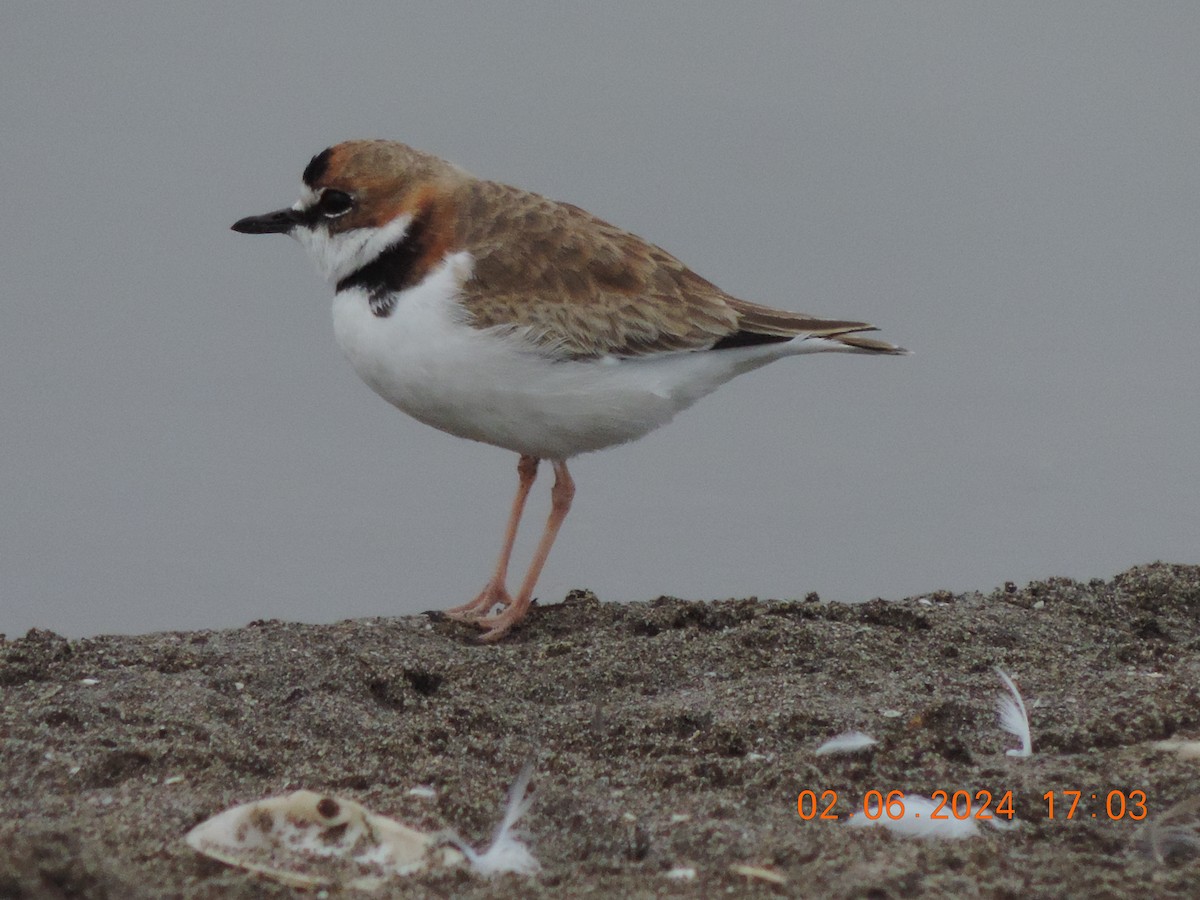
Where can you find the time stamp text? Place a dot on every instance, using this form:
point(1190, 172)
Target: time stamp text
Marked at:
point(1066, 805)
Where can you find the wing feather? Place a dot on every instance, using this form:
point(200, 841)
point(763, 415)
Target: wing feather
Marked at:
point(582, 288)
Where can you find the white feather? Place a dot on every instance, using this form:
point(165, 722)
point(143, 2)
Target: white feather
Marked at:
point(1013, 717)
point(918, 821)
point(507, 853)
point(847, 742)
point(681, 873)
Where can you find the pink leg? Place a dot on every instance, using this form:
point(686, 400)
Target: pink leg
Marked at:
point(495, 591)
point(560, 505)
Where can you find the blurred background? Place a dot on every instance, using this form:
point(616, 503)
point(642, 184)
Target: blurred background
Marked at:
point(1009, 190)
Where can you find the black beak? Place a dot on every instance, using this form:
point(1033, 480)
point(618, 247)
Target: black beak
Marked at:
point(279, 222)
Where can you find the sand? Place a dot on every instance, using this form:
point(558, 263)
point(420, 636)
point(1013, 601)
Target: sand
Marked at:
point(667, 735)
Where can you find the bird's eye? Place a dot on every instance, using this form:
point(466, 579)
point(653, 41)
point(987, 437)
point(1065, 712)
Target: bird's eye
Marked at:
point(334, 203)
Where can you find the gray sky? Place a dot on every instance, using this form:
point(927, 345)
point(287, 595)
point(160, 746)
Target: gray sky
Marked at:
point(1010, 190)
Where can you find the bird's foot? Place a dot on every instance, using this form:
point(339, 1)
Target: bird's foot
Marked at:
point(499, 624)
point(489, 598)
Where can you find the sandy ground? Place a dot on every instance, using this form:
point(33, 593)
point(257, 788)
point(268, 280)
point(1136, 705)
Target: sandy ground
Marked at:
point(666, 735)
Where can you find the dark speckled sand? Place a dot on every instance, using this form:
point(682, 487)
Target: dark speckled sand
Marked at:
point(667, 734)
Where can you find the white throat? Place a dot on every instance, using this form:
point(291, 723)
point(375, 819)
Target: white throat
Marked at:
point(341, 254)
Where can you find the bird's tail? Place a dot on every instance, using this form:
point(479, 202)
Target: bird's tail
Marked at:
point(765, 324)
point(856, 343)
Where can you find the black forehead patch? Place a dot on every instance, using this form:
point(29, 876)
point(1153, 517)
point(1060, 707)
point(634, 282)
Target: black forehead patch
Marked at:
point(316, 167)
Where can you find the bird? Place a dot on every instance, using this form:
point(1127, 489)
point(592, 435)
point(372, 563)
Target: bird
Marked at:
point(498, 315)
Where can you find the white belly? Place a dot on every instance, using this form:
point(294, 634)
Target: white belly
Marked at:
point(490, 386)
point(497, 387)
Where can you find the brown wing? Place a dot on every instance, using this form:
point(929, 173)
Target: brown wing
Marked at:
point(585, 288)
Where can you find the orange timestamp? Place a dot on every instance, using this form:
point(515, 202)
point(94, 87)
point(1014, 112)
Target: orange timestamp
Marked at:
point(877, 805)
point(980, 805)
point(1116, 805)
